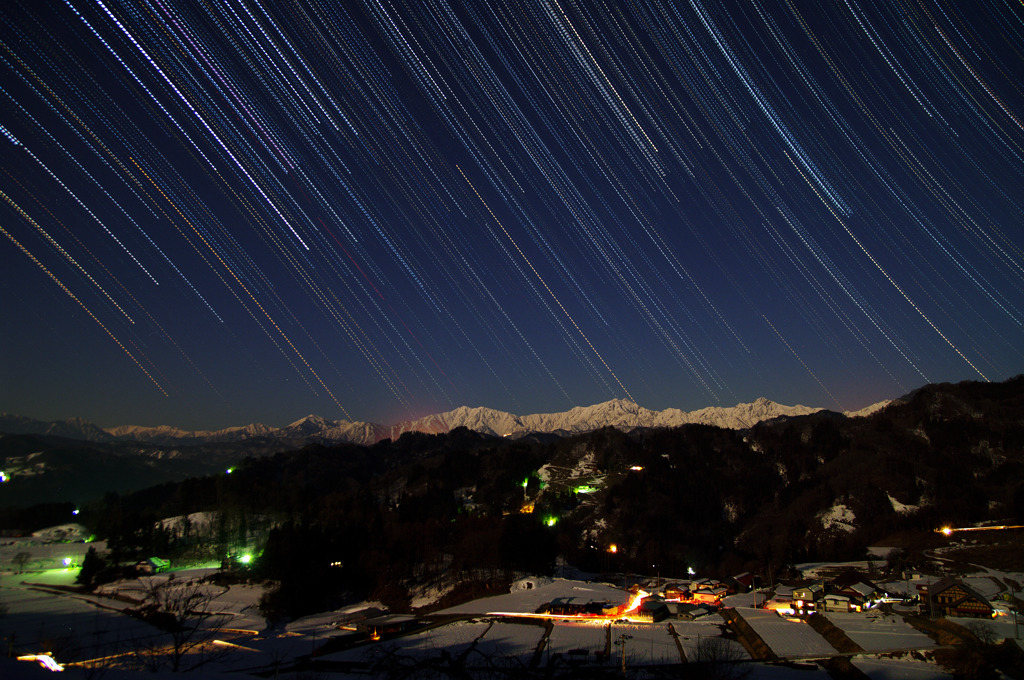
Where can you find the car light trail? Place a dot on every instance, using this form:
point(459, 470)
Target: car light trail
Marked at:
point(948, 531)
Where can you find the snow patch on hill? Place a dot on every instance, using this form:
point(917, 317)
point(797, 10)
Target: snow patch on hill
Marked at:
point(902, 508)
point(839, 517)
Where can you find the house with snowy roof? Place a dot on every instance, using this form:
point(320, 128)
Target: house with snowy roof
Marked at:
point(809, 593)
point(952, 597)
point(711, 596)
point(676, 592)
point(740, 583)
point(857, 587)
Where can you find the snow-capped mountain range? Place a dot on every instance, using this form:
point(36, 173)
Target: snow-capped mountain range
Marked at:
point(619, 413)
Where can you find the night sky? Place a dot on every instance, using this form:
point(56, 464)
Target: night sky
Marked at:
point(216, 213)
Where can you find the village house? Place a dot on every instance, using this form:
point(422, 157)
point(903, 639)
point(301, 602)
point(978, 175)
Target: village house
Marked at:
point(952, 597)
point(805, 598)
point(740, 583)
point(839, 603)
point(656, 608)
point(676, 593)
point(809, 593)
point(857, 587)
point(711, 596)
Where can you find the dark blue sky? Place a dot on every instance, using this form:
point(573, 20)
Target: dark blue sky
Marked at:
point(220, 213)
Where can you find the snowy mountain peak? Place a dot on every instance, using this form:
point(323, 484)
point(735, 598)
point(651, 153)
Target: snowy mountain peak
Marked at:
point(624, 414)
point(311, 420)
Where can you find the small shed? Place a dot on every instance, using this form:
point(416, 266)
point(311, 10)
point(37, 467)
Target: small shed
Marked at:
point(152, 565)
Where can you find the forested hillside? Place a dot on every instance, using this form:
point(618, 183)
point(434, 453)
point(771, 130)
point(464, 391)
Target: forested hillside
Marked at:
point(379, 521)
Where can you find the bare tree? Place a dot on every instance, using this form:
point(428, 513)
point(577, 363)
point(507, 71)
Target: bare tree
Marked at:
point(986, 635)
point(20, 559)
point(721, 659)
point(184, 610)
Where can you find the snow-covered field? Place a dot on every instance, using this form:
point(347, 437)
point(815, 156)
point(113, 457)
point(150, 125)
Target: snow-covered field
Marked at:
point(570, 635)
point(77, 626)
point(72, 628)
point(510, 642)
point(899, 669)
point(42, 555)
point(788, 639)
point(692, 632)
point(1002, 627)
point(876, 633)
point(649, 644)
point(526, 600)
point(456, 638)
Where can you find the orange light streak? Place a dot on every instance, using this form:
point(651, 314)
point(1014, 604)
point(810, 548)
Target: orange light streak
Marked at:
point(948, 531)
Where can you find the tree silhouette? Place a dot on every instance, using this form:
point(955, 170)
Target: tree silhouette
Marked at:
point(184, 610)
point(20, 559)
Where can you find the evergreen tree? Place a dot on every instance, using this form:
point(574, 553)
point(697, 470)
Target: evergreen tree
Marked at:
point(92, 565)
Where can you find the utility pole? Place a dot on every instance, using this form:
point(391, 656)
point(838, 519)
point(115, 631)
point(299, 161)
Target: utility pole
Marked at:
point(1015, 605)
point(622, 642)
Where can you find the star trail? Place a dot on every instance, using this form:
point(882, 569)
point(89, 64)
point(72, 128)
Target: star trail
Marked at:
point(216, 213)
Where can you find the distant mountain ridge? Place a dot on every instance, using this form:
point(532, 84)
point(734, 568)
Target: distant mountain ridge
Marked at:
point(622, 414)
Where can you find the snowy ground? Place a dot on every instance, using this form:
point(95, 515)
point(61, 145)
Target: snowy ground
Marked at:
point(42, 555)
point(877, 633)
point(1002, 627)
point(788, 639)
point(527, 601)
point(899, 669)
point(649, 644)
point(567, 636)
point(692, 632)
point(512, 644)
point(456, 638)
point(72, 628)
point(80, 626)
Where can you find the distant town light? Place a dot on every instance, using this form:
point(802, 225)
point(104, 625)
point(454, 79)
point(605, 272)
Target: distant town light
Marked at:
point(636, 468)
point(613, 548)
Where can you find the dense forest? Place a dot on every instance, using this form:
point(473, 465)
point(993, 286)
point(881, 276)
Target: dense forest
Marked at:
point(332, 524)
